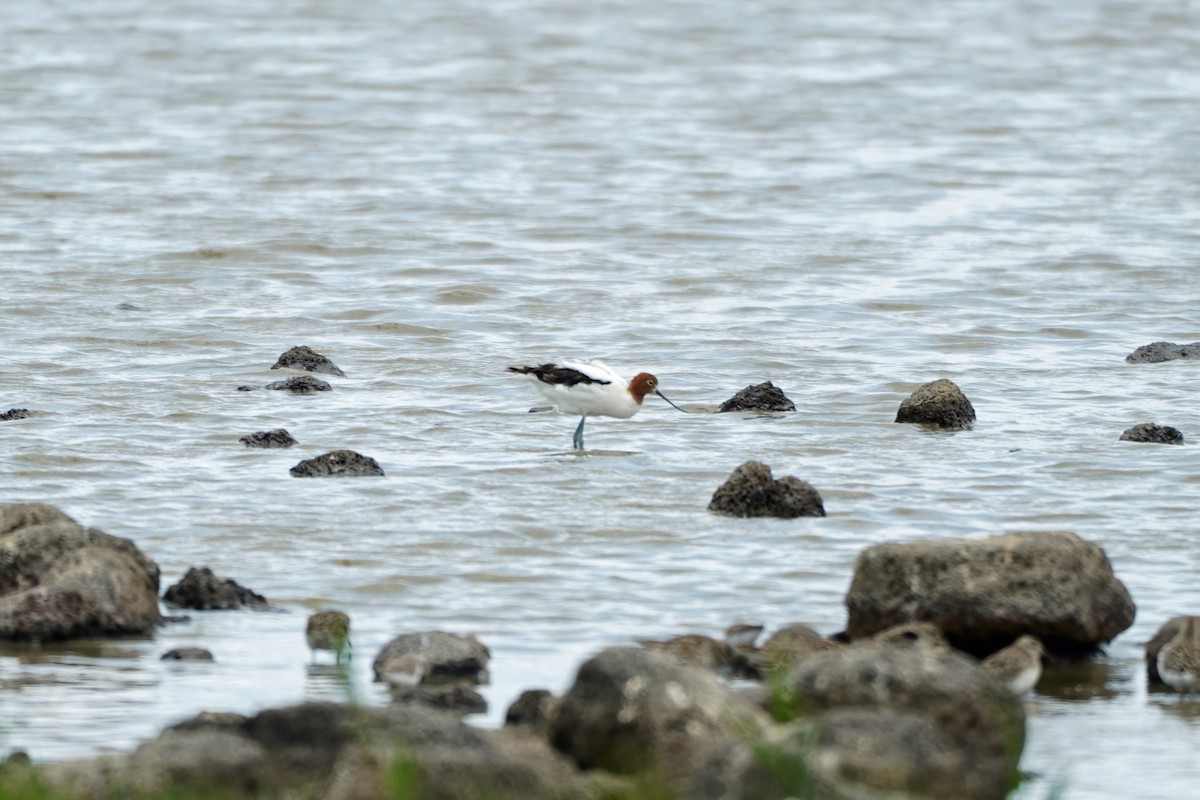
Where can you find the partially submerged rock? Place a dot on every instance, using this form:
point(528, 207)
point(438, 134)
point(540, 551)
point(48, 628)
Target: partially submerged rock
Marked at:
point(632, 711)
point(187, 654)
point(204, 591)
point(307, 359)
point(14, 413)
point(940, 404)
point(1152, 434)
point(338, 464)
point(269, 439)
point(300, 384)
point(59, 579)
point(984, 593)
point(762, 397)
point(751, 492)
point(1157, 352)
point(414, 658)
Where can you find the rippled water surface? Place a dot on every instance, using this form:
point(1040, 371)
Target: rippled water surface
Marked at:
point(846, 198)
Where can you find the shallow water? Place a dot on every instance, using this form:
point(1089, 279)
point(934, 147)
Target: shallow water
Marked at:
point(848, 199)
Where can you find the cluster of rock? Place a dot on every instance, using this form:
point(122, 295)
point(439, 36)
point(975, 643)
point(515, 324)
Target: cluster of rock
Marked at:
point(751, 491)
point(336, 463)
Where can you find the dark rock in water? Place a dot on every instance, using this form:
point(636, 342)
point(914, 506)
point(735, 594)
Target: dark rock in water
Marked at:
point(187, 654)
point(300, 384)
point(15, 413)
point(984, 593)
point(276, 438)
point(309, 360)
point(632, 711)
point(763, 397)
point(1163, 351)
point(130, 307)
point(939, 403)
point(338, 464)
point(1153, 434)
point(752, 492)
point(248, 388)
point(202, 590)
point(532, 710)
point(59, 579)
point(413, 658)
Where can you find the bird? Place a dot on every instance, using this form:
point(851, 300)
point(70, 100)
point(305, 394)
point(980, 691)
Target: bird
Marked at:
point(329, 630)
point(1018, 666)
point(591, 388)
point(1179, 659)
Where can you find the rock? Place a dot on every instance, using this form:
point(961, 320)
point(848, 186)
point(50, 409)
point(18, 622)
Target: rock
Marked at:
point(1160, 639)
point(632, 711)
point(59, 579)
point(1152, 434)
point(1157, 352)
point(763, 397)
point(332, 751)
point(202, 590)
point(925, 720)
point(789, 646)
point(14, 413)
point(276, 438)
point(751, 492)
point(940, 404)
point(413, 658)
point(307, 359)
point(984, 593)
point(532, 709)
point(187, 654)
point(301, 384)
point(338, 464)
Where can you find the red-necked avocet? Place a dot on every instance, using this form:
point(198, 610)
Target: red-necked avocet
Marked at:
point(591, 388)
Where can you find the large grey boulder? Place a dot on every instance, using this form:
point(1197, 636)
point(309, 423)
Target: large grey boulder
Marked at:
point(984, 593)
point(940, 404)
point(751, 491)
point(59, 579)
point(633, 711)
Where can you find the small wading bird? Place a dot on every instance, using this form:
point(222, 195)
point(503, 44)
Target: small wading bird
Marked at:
point(1179, 659)
point(329, 630)
point(591, 388)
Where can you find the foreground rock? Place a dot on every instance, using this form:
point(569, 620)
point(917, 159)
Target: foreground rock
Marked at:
point(1157, 642)
point(633, 711)
point(984, 593)
point(412, 659)
point(1152, 434)
point(338, 464)
point(1158, 352)
point(329, 751)
point(59, 579)
point(269, 439)
point(763, 397)
point(307, 359)
point(204, 591)
point(14, 413)
point(940, 404)
point(946, 728)
point(751, 492)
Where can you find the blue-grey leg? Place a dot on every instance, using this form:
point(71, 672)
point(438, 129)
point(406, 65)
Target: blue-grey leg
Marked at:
point(578, 440)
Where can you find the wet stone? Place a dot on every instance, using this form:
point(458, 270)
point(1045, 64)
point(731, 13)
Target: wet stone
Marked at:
point(269, 439)
point(15, 413)
point(338, 464)
point(187, 654)
point(751, 492)
point(307, 359)
point(1157, 352)
point(301, 384)
point(1152, 434)
point(202, 590)
point(762, 397)
point(938, 403)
